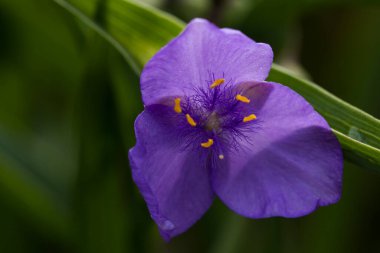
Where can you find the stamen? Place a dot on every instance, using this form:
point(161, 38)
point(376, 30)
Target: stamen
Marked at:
point(217, 82)
point(249, 118)
point(177, 105)
point(190, 120)
point(242, 98)
point(221, 157)
point(208, 143)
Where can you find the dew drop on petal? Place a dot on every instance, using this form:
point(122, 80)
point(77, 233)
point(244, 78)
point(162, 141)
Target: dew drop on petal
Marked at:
point(167, 225)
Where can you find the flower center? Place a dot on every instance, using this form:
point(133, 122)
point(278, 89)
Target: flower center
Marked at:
point(213, 122)
point(214, 111)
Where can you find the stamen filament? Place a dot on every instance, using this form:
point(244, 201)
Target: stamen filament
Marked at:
point(190, 120)
point(208, 143)
point(249, 118)
point(217, 82)
point(242, 98)
point(177, 105)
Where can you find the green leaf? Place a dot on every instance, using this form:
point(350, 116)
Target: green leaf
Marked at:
point(101, 216)
point(138, 31)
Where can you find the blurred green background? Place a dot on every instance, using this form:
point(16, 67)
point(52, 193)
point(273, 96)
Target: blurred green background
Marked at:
point(68, 102)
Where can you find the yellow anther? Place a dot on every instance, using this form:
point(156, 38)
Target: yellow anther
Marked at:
point(249, 118)
point(190, 120)
point(242, 98)
point(221, 157)
point(208, 143)
point(217, 82)
point(177, 105)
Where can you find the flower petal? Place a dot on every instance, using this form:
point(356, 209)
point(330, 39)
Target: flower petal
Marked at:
point(201, 53)
point(238, 33)
point(174, 183)
point(290, 165)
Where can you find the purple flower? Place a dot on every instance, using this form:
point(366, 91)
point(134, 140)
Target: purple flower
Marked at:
point(213, 127)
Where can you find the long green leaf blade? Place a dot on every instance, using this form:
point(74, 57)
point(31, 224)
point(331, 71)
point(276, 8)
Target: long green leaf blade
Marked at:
point(138, 31)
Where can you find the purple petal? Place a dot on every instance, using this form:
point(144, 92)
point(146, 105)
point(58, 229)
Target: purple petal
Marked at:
point(238, 33)
point(174, 183)
point(291, 164)
point(199, 54)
